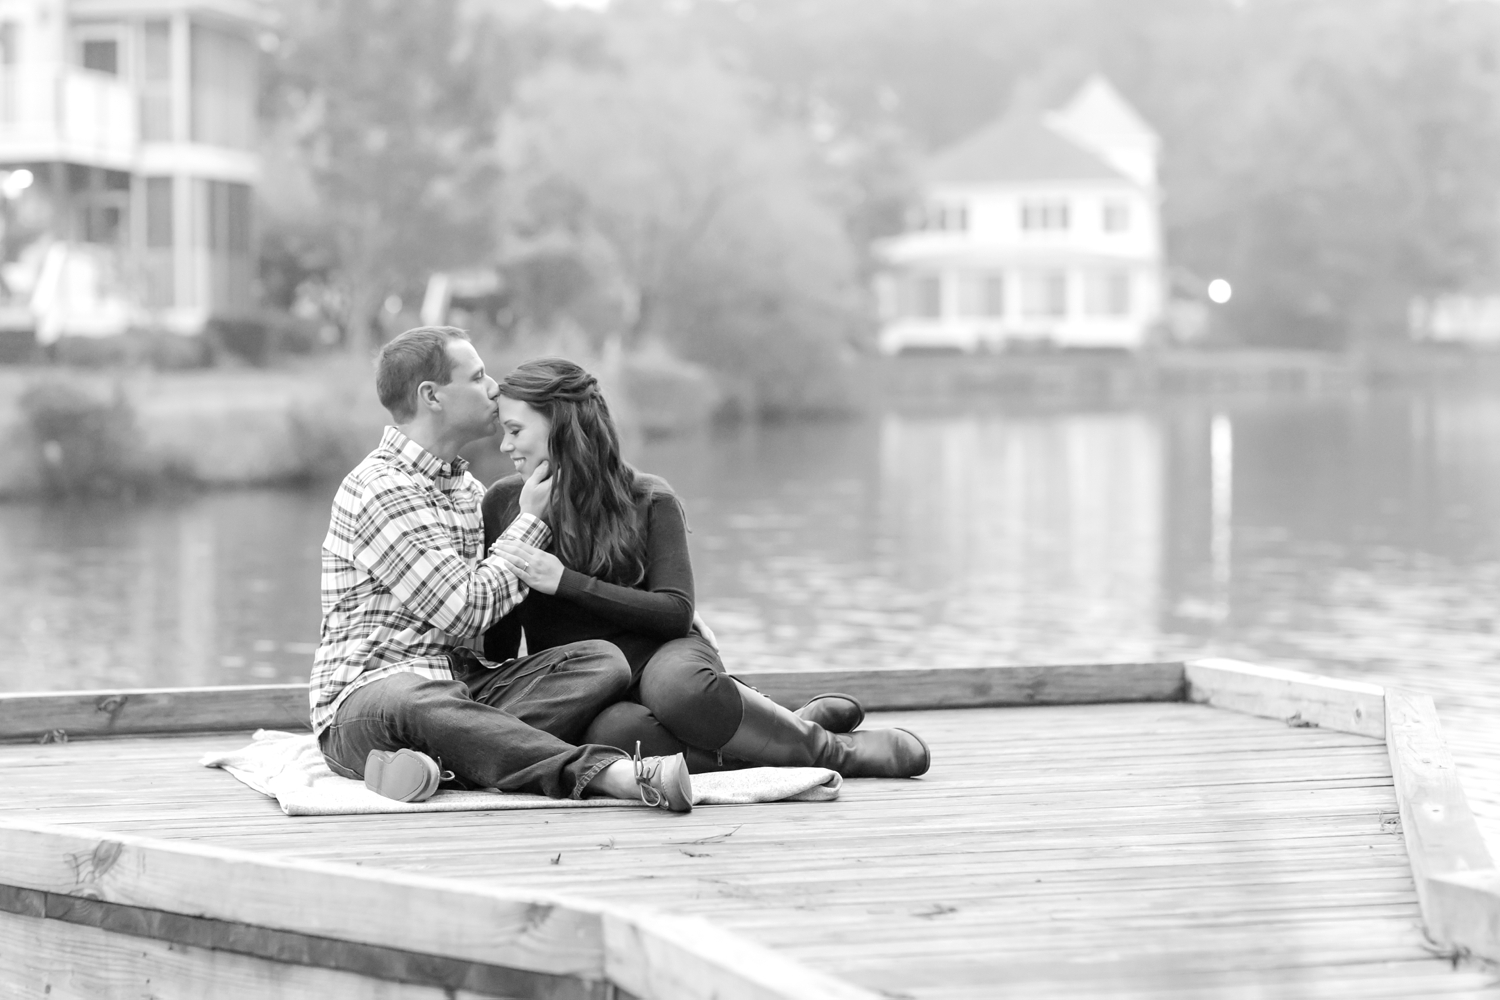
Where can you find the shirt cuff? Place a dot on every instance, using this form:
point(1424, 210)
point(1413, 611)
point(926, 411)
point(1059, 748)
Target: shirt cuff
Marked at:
point(527, 528)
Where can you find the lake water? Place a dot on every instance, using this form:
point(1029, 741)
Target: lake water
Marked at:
point(1356, 537)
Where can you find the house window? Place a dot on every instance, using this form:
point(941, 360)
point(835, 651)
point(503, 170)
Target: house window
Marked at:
point(8, 33)
point(1044, 294)
point(981, 295)
point(102, 55)
point(1116, 216)
point(945, 217)
point(1044, 216)
point(161, 281)
point(223, 73)
point(1107, 293)
point(919, 296)
point(156, 82)
point(158, 212)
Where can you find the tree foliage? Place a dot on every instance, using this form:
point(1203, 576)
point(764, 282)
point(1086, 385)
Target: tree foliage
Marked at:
point(714, 222)
point(392, 106)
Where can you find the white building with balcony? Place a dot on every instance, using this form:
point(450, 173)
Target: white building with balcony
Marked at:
point(135, 123)
point(1040, 229)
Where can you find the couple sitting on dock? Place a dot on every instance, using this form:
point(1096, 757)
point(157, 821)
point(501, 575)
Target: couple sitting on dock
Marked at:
point(428, 583)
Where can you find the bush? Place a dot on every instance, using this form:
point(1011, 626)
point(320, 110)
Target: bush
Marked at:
point(86, 439)
point(137, 348)
point(246, 338)
point(669, 396)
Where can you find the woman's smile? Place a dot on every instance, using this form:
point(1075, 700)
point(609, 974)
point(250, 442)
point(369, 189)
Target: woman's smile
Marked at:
point(525, 435)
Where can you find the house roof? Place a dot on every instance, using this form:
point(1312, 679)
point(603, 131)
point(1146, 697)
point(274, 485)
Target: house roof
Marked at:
point(1016, 148)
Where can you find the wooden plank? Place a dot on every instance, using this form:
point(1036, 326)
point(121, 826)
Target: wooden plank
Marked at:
point(1297, 698)
point(284, 948)
point(284, 706)
point(677, 956)
point(520, 930)
point(654, 957)
point(62, 961)
point(1203, 838)
point(152, 710)
point(979, 687)
point(1457, 883)
point(1465, 911)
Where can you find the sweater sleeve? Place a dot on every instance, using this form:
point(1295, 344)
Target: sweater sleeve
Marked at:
point(662, 605)
point(501, 506)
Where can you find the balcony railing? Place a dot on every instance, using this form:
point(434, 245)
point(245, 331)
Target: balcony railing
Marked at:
point(50, 112)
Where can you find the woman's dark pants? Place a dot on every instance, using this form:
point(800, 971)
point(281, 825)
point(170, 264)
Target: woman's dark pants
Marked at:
point(513, 728)
point(682, 702)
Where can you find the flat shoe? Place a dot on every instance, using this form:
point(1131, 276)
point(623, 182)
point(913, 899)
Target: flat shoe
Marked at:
point(664, 782)
point(404, 775)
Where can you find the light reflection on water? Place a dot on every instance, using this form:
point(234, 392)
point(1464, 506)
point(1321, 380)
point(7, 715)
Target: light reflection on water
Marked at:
point(1357, 537)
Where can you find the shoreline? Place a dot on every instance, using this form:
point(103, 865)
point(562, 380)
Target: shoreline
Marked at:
point(120, 431)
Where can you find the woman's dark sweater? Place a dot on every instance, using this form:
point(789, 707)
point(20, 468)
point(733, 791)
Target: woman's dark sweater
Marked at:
point(638, 619)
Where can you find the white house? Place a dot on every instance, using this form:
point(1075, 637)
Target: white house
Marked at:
point(127, 161)
point(1039, 228)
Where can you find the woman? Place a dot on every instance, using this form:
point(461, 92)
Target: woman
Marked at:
point(618, 569)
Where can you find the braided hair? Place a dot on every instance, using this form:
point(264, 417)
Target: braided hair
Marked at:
point(596, 505)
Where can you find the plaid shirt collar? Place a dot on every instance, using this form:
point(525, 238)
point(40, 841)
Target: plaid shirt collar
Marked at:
point(402, 451)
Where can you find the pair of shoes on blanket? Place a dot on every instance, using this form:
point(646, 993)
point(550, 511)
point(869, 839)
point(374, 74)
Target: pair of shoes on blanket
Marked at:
point(411, 776)
point(404, 775)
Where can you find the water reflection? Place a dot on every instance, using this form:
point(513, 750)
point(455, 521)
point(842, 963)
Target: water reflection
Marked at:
point(213, 589)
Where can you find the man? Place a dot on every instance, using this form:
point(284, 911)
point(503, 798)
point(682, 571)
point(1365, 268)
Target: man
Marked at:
point(398, 694)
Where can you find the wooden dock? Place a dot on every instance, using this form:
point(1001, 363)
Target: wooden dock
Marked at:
point(1142, 848)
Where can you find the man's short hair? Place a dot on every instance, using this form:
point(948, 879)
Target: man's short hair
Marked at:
point(414, 357)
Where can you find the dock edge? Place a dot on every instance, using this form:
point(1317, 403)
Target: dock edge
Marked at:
point(222, 917)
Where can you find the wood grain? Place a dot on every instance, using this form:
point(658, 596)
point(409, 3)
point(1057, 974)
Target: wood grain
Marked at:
point(1297, 698)
point(1455, 876)
point(1145, 849)
point(280, 947)
point(152, 710)
point(62, 961)
point(531, 931)
point(1464, 911)
point(527, 943)
point(284, 706)
point(979, 687)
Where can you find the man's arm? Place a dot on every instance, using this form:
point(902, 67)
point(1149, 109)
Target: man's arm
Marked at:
point(400, 542)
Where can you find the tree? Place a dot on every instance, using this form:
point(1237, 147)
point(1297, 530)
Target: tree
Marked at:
point(1360, 174)
point(713, 215)
point(392, 106)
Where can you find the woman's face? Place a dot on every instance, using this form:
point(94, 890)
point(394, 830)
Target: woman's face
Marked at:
point(525, 433)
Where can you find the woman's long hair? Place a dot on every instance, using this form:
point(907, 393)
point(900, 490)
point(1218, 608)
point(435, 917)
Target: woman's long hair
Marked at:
point(595, 511)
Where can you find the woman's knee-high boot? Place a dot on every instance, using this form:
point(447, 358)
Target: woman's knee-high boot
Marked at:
point(770, 734)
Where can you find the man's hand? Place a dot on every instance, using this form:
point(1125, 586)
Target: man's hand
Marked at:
point(537, 491)
point(701, 627)
point(539, 570)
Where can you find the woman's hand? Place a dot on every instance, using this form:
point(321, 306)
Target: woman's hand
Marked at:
point(536, 492)
point(539, 570)
point(701, 627)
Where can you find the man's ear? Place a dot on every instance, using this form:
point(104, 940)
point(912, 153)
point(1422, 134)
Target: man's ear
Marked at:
point(427, 396)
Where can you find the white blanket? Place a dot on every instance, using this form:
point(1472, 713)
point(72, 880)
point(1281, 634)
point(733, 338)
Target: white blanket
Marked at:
point(290, 768)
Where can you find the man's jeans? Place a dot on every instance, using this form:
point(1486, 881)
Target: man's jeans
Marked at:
point(510, 728)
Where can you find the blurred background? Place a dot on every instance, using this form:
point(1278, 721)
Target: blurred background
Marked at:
point(971, 331)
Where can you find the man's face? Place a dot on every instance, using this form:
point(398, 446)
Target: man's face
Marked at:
point(469, 398)
point(526, 434)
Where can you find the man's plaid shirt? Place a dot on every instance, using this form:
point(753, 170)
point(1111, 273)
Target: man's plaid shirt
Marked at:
point(403, 582)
